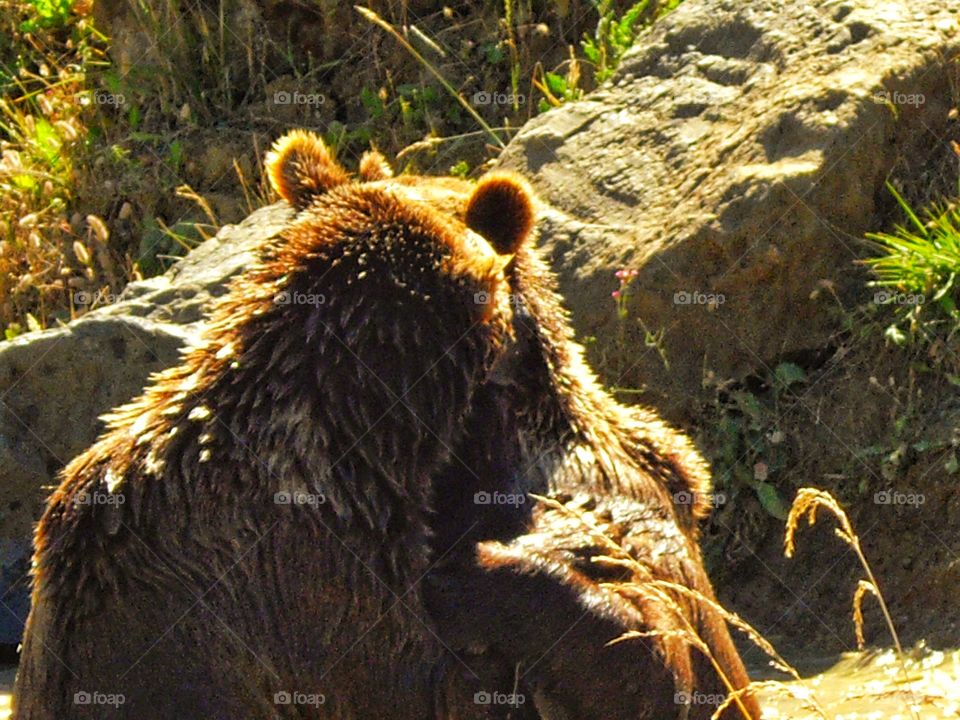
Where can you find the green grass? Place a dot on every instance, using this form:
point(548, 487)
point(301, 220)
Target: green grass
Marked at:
point(917, 267)
point(44, 258)
point(48, 14)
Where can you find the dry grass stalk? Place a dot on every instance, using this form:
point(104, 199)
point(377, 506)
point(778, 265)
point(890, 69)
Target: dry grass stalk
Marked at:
point(377, 20)
point(806, 504)
point(665, 594)
point(863, 587)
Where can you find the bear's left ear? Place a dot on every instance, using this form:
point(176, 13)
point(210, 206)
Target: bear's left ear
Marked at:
point(301, 168)
point(501, 209)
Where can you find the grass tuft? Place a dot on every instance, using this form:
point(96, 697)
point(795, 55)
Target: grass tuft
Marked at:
point(918, 266)
point(47, 256)
point(377, 20)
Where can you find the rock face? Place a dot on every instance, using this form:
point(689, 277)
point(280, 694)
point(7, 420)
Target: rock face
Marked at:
point(736, 159)
point(54, 385)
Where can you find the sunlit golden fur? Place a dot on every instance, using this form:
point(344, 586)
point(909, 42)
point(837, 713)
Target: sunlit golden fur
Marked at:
point(374, 166)
point(176, 565)
point(300, 168)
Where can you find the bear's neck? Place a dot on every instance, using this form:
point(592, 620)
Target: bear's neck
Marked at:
point(567, 419)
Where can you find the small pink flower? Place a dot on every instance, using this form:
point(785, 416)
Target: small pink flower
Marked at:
point(634, 273)
point(620, 274)
point(615, 294)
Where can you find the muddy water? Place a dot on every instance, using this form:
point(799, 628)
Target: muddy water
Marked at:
point(7, 673)
point(857, 686)
point(873, 685)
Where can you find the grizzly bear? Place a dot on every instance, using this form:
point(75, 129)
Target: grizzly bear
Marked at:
point(515, 581)
point(246, 539)
point(514, 588)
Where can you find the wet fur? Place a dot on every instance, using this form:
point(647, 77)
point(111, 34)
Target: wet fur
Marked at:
point(192, 592)
point(217, 598)
point(517, 581)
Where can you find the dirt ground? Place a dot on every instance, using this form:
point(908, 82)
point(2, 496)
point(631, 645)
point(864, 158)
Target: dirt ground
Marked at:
point(879, 428)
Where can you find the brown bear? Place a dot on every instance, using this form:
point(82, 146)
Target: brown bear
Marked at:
point(513, 587)
point(247, 538)
point(514, 582)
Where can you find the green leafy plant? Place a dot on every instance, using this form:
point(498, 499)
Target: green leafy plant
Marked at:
point(372, 103)
point(917, 267)
point(558, 89)
point(751, 445)
point(614, 36)
point(48, 14)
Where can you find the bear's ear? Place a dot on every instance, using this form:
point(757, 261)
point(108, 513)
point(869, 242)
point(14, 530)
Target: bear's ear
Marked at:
point(501, 210)
point(374, 166)
point(301, 168)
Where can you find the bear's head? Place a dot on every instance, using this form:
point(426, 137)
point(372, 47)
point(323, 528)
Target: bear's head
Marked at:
point(380, 298)
point(391, 265)
point(353, 347)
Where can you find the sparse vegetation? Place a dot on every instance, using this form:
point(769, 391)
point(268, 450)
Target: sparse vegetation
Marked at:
point(615, 35)
point(108, 172)
point(43, 124)
point(640, 587)
point(918, 269)
point(652, 339)
point(806, 505)
point(751, 449)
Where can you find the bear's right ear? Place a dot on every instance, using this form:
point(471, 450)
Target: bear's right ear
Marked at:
point(301, 168)
point(501, 209)
point(374, 166)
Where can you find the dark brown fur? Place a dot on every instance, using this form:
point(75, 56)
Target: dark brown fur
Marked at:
point(187, 588)
point(516, 582)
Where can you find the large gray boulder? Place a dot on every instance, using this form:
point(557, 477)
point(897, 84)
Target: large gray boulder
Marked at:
point(736, 159)
point(54, 385)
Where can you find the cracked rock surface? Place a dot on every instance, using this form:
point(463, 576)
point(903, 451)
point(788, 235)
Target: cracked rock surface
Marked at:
point(736, 159)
